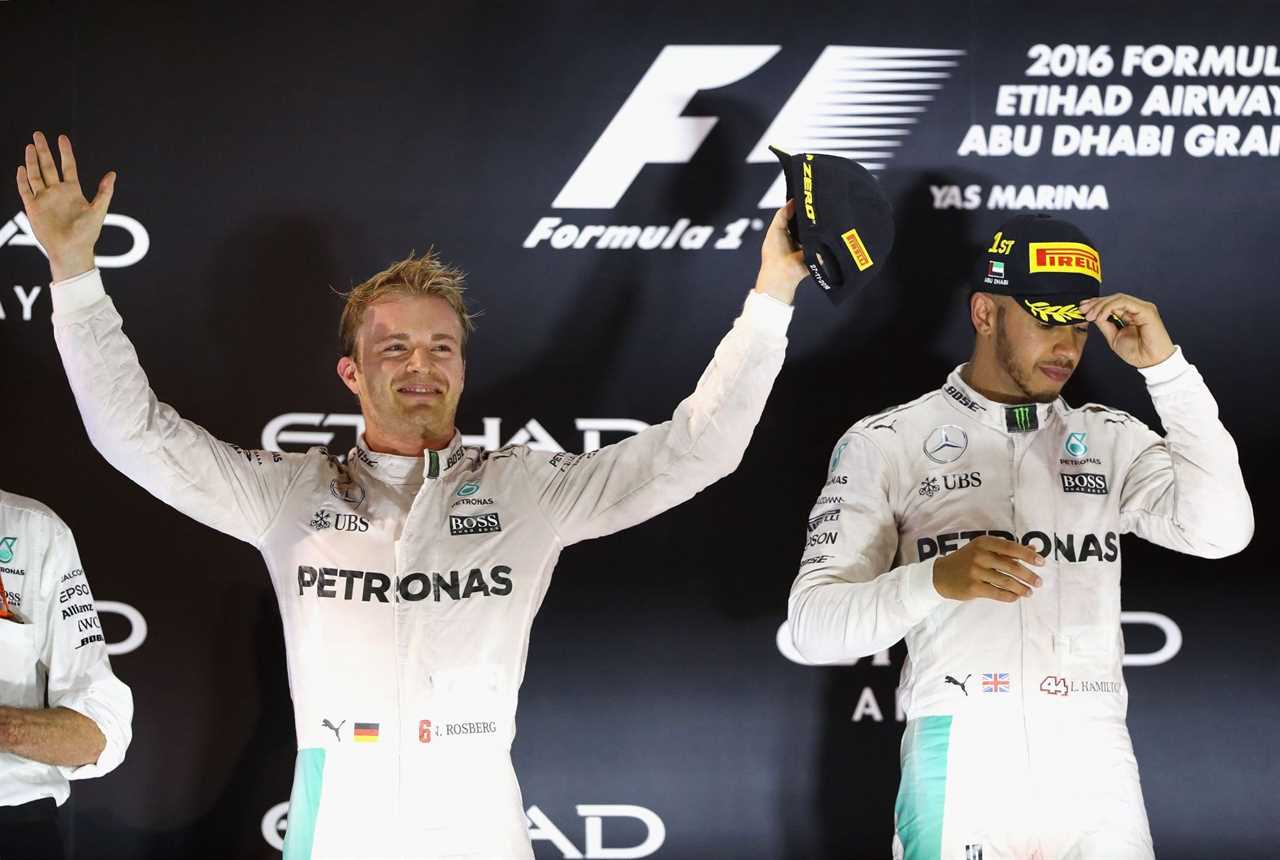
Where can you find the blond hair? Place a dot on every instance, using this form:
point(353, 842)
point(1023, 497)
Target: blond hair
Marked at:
point(419, 277)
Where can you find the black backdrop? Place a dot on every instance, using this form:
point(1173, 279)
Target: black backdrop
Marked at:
point(269, 153)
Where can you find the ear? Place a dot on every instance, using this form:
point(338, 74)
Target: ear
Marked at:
point(347, 371)
point(982, 313)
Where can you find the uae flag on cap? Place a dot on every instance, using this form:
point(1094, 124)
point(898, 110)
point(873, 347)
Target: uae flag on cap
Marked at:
point(995, 268)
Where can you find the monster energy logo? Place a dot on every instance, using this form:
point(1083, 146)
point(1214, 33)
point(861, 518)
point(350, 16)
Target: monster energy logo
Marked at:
point(1021, 419)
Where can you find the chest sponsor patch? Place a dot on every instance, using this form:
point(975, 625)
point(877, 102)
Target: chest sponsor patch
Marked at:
point(474, 525)
point(1084, 482)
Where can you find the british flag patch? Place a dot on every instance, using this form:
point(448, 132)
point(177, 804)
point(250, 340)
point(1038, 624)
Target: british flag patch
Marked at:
point(995, 683)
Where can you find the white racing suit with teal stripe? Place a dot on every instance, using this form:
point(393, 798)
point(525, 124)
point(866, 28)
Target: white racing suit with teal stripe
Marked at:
point(407, 586)
point(1015, 744)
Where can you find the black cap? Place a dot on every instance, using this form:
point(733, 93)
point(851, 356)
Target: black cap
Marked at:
point(1049, 266)
point(842, 220)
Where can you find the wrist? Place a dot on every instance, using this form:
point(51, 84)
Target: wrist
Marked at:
point(7, 726)
point(65, 267)
point(773, 287)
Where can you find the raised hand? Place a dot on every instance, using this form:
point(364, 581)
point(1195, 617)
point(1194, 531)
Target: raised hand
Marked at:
point(65, 223)
point(782, 265)
point(989, 567)
point(1143, 341)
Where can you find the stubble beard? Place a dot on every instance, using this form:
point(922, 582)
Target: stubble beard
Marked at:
point(1004, 355)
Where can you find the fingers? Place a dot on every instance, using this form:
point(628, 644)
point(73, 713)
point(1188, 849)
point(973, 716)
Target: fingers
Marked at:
point(47, 165)
point(1006, 582)
point(33, 171)
point(24, 188)
point(106, 188)
point(1010, 549)
point(990, 592)
point(1125, 307)
point(995, 569)
point(68, 159)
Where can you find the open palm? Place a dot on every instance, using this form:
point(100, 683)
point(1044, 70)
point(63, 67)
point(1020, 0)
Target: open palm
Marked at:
point(64, 222)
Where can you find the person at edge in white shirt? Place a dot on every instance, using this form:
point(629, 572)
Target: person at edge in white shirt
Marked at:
point(63, 714)
point(981, 522)
point(407, 577)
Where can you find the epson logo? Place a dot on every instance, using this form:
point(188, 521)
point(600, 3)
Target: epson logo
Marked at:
point(479, 524)
point(821, 539)
point(1094, 485)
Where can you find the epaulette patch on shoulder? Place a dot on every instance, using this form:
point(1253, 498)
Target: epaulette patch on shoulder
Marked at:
point(1114, 416)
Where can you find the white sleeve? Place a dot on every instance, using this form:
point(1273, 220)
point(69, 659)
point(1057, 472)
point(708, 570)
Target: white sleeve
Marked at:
point(1186, 491)
point(74, 654)
point(234, 490)
point(605, 491)
point(848, 600)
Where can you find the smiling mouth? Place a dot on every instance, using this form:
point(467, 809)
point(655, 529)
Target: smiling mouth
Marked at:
point(420, 389)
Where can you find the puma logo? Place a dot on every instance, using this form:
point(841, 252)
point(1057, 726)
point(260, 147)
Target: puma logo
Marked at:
point(335, 729)
point(960, 684)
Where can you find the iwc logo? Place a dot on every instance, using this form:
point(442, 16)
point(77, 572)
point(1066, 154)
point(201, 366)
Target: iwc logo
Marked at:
point(946, 444)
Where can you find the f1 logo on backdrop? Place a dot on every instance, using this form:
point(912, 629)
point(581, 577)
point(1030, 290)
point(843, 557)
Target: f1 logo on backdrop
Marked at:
point(541, 828)
point(281, 430)
point(17, 232)
point(855, 102)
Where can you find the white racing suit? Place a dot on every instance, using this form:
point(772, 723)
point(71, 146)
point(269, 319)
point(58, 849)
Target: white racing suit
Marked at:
point(1015, 743)
point(54, 655)
point(407, 586)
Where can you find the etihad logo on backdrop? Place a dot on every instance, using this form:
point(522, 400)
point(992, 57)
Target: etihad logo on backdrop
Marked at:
point(641, 823)
point(1072, 258)
point(17, 232)
point(855, 102)
point(284, 430)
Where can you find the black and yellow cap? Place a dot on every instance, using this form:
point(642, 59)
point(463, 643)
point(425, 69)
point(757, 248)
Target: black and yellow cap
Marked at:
point(1048, 265)
point(843, 220)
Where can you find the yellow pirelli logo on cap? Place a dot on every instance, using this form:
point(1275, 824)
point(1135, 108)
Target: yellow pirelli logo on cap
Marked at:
point(1069, 257)
point(861, 257)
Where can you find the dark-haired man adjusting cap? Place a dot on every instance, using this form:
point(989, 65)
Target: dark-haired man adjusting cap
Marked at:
point(982, 522)
point(1047, 266)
